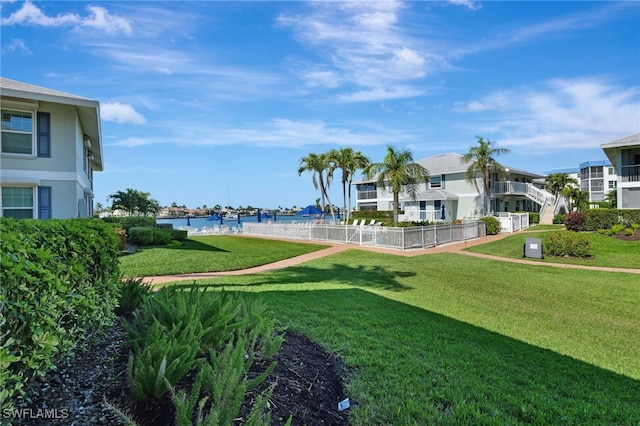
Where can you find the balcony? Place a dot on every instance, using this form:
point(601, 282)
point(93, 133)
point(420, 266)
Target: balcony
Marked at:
point(509, 188)
point(630, 173)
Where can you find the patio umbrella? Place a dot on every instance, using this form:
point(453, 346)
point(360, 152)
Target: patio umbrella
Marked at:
point(259, 218)
point(238, 217)
point(274, 216)
point(442, 211)
point(310, 210)
point(213, 217)
point(188, 221)
point(221, 219)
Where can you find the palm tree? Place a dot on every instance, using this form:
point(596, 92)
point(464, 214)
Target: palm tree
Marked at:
point(577, 199)
point(612, 198)
point(483, 163)
point(317, 164)
point(557, 182)
point(349, 161)
point(396, 173)
point(133, 201)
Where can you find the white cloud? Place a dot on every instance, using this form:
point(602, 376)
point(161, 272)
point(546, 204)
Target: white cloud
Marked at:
point(469, 4)
point(98, 18)
point(120, 113)
point(101, 19)
point(559, 114)
point(132, 142)
point(366, 49)
point(16, 45)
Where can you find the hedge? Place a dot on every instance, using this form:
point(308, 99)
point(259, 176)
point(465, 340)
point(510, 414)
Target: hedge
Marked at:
point(595, 219)
point(128, 222)
point(60, 281)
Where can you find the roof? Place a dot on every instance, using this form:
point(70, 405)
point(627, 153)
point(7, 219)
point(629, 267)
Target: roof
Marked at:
point(452, 162)
point(630, 140)
point(88, 109)
point(627, 141)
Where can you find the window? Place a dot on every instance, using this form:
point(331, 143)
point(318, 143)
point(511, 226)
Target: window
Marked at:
point(611, 171)
point(436, 182)
point(17, 132)
point(613, 184)
point(17, 202)
point(367, 191)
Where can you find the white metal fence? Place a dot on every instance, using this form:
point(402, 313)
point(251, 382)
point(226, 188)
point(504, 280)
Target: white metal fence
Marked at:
point(378, 236)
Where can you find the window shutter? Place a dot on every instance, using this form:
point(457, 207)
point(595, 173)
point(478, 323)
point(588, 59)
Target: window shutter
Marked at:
point(44, 202)
point(442, 185)
point(44, 134)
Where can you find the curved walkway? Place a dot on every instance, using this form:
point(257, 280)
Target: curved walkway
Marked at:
point(336, 248)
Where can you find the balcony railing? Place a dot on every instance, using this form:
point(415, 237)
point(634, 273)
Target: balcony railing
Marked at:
point(631, 173)
point(511, 188)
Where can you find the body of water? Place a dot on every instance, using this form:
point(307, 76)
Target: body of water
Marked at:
point(200, 222)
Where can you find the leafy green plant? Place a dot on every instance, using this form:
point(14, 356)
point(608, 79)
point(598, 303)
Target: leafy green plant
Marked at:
point(132, 292)
point(162, 357)
point(563, 243)
point(161, 236)
point(493, 225)
point(629, 231)
point(534, 217)
point(59, 281)
point(558, 219)
point(635, 226)
point(174, 244)
point(224, 382)
point(615, 229)
point(141, 236)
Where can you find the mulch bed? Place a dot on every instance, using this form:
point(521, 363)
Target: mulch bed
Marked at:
point(308, 384)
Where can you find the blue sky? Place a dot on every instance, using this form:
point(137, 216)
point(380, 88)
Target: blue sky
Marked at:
point(215, 102)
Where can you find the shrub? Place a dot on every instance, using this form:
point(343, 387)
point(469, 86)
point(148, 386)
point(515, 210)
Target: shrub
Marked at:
point(606, 218)
point(558, 219)
point(493, 225)
point(128, 222)
point(615, 229)
point(165, 225)
point(60, 281)
point(141, 236)
point(629, 231)
point(178, 235)
point(563, 243)
point(574, 221)
point(122, 238)
point(174, 244)
point(534, 217)
point(161, 236)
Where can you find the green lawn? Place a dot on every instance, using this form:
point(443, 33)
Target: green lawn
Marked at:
point(605, 250)
point(457, 340)
point(211, 254)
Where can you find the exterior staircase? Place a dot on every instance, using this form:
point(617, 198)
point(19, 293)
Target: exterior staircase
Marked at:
point(550, 204)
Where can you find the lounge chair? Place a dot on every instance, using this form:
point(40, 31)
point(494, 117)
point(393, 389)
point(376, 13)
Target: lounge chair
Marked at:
point(373, 222)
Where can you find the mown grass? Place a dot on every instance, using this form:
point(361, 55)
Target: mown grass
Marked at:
point(539, 227)
point(605, 250)
point(456, 340)
point(211, 254)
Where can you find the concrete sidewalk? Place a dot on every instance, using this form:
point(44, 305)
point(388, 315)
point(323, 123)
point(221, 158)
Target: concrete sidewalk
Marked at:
point(457, 248)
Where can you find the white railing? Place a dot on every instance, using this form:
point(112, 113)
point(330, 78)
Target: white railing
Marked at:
point(512, 222)
point(417, 215)
point(510, 188)
point(377, 236)
point(540, 196)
